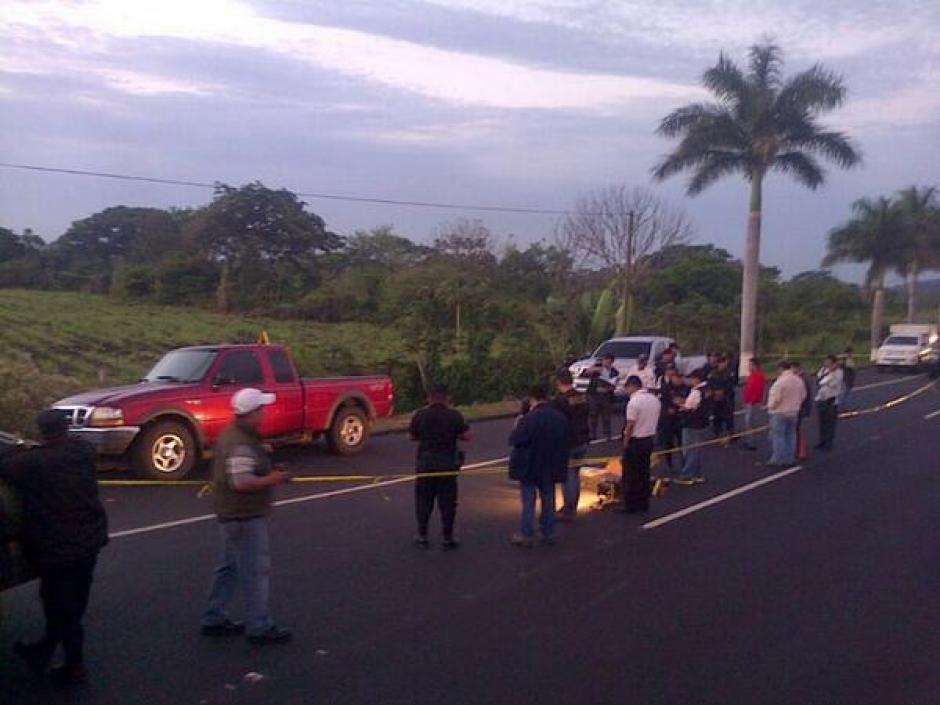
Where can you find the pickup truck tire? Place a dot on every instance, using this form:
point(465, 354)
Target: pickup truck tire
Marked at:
point(165, 450)
point(348, 433)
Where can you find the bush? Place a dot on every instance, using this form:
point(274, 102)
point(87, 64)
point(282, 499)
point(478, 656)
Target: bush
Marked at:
point(25, 390)
point(133, 281)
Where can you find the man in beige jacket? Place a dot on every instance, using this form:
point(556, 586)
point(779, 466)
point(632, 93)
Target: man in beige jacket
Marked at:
point(783, 407)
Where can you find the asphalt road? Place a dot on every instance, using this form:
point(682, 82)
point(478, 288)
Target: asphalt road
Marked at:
point(818, 586)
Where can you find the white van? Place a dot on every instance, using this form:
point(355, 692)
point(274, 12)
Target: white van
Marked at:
point(908, 347)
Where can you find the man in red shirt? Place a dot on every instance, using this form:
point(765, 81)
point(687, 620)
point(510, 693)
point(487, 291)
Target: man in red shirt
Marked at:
point(754, 389)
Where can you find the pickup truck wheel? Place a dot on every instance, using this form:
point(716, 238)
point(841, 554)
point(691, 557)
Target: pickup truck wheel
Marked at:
point(349, 431)
point(165, 451)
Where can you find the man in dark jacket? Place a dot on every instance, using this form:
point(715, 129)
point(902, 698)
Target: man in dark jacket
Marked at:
point(539, 459)
point(721, 382)
point(600, 393)
point(65, 526)
point(574, 406)
point(437, 428)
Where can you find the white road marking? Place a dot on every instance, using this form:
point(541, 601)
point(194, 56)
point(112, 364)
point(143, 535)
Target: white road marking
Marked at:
point(721, 498)
point(885, 383)
point(291, 500)
point(932, 415)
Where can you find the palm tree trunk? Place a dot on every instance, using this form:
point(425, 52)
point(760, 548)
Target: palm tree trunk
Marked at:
point(877, 314)
point(750, 275)
point(912, 276)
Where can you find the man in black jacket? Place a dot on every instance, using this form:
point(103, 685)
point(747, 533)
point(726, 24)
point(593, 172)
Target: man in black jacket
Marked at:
point(574, 406)
point(539, 459)
point(65, 526)
point(437, 428)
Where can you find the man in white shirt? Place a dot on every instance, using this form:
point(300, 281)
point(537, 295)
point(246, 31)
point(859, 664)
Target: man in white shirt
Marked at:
point(783, 407)
point(646, 373)
point(830, 385)
point(638, 437)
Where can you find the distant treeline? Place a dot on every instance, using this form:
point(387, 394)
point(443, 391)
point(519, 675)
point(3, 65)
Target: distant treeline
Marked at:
point(486, 318)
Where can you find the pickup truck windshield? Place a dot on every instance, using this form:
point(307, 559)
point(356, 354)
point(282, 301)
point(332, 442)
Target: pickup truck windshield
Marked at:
point(901, 340)
point(630, 349)
point(182, 366)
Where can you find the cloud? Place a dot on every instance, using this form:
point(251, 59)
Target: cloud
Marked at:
point(450, 76)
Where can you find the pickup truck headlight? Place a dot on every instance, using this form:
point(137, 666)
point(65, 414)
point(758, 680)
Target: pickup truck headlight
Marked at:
point(105, 416)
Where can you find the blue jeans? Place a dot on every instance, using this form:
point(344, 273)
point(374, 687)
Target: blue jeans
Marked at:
point(246, 558)
point(750, 441)
point(546, 492)
point(692, 467)
point(571, 489)
point(782, 439)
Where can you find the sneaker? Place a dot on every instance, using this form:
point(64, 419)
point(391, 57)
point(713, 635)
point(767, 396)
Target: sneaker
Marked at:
point(450, 543)
point(421, 541)
point(68, 675)
point(698, 480)
point(226, 628)
point(687, 481)
point(272, 635)
point(35, 657)
point(521, 541)
point(564, 516)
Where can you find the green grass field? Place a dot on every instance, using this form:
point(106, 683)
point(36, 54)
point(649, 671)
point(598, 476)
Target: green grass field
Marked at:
point(83, 335)
point(56, 342)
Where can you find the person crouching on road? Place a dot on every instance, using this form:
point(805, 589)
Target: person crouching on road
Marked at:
point(638, 438)
point(570, 402)
point(538, 460)
point(695, 413)
point(242, 481)
point(437, 428)
point(65, 527)
point(783, 407)
point(755, 386)
point(829, 390)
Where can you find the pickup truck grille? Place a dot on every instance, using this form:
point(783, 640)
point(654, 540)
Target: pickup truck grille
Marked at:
point(77, 415)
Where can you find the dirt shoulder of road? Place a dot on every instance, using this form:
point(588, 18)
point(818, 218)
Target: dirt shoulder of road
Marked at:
point(475, 412)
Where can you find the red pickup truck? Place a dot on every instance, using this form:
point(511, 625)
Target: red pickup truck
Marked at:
point(170, 420)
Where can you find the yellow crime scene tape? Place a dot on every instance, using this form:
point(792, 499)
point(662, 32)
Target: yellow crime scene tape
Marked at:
point(496, 469)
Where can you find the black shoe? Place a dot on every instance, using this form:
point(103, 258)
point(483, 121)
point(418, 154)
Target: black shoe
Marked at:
point(450, 543)
point(68, 675)
point(272, 635)
point(35, 656)
point(226, 628)
point(421, 541)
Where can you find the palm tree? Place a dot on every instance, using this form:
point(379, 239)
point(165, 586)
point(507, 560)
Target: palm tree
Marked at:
point(921, 215)
point(760, 122)
point(875, 235)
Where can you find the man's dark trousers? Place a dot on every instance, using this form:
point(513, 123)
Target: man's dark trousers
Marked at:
point(723, 421)
point(828, 416)
point(636, 474)
point(64, 589)
point(600, 409)
point(444, 491)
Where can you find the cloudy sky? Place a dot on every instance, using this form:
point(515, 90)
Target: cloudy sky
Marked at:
point(514, 102)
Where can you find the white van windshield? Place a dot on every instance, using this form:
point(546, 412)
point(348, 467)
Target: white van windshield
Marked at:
point(906, 340)
point(623, 349)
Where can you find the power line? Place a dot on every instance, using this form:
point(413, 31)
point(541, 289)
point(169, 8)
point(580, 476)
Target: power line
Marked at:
point(325, 196)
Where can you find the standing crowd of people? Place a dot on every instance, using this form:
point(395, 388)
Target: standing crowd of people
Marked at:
point(66, 525)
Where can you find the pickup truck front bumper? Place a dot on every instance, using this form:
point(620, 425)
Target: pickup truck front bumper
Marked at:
point(108, 441)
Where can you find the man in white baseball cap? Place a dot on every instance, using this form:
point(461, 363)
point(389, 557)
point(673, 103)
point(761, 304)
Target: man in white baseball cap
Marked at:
point(242, 480)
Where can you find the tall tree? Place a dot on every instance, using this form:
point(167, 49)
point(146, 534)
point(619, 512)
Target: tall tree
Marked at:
point(617, 229)
point(254, 230)
point(759, 123)
point(921, 214)
point(873, 235)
